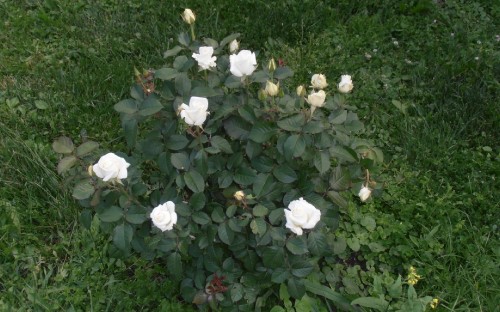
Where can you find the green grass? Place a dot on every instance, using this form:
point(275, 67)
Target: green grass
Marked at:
point(427, 101)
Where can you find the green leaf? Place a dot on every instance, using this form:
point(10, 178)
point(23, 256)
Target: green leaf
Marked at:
point(276, 216)
point(260, 211)
point(122, 236)
point(184, 39)
point(225, 179)
point(371, 302)
point(150, 106)
point(261, 132)
point(111, 214)
point(328, 293)
point(135, 216)
point(337, 198)
point(226, 234)
point(396, 289)
point(283, 72)
point(204, 92)
point(236, 291)
point(83, 190)
point(292, 123)
point(63, 145)
point(127, 106)
point(180, 161)
point(86, 148)
point(316, 243)
point(166, 73)
point(174, 266)
point(172, 52)
point(130, 130)
point(41, 104)
point(285, 174)
point(194, 181)
point(263, 164)
point(66, 163)
point(279, 275)
point(245, 176)
point(273, 257)
point(232, 82)
point(217, 214)
point(197, 201)
point(322, 161)
point(237, 128)
point(343, 154)
point(297, 245)
point(296, 288)
point(353, 243)
point(258, 226)
point(338, 117)
point(314, 127)
point(340, 179)
point(294, 146)
point(369, 223)
point(183, 84)
point(176, 142)
point(86, 218)
point(201, 218)
point(264, 183)
point(222, 144)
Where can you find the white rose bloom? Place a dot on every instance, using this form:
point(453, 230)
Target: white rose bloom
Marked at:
point(364, 193)
point(243, 63)
point(196, 112)
point(164, 216)
point(272, 89)
point(317, 99)
point(188, 16)
point(318, 81)
point(204, 58)
point(302, 215)
point(234, 46)
point(111, 166)
point(345, 85)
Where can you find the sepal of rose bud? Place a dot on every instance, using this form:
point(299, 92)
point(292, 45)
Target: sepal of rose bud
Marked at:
point(262, 95)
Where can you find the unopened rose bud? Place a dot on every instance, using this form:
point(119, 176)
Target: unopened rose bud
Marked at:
point(318, 81)
point(239, 195)
point(90, 170)
point(301, 91)
point(272, 89)
point(272, 65)
point(188, 16)
point(345, 85)
point(137, 73)
point(234, 46)
point(364, 193)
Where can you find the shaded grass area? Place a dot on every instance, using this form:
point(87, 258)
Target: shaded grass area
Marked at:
point(426, 83)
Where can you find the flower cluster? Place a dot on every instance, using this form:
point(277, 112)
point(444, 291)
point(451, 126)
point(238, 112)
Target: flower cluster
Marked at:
point(413, 277)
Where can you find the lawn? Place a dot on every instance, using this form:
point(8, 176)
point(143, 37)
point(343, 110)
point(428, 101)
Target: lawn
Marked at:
point(426, 77)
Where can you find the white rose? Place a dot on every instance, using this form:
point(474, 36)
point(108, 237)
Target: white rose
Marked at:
point(243, 63)
point(364, 193)
point(234, 46)
point(111, 166)
point(272, 89)
point(318, 81)
point(188, 16)
point(317, 99)
point(164, 216)
point(345, 85)
point(204, 58)
point(302, 215)
point(196, 112)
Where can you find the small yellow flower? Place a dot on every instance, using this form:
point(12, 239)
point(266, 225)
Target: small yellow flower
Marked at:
point(434, 303)
point(413, 277)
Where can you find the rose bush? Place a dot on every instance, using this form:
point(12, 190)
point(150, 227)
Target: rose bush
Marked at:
point(244, 183)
